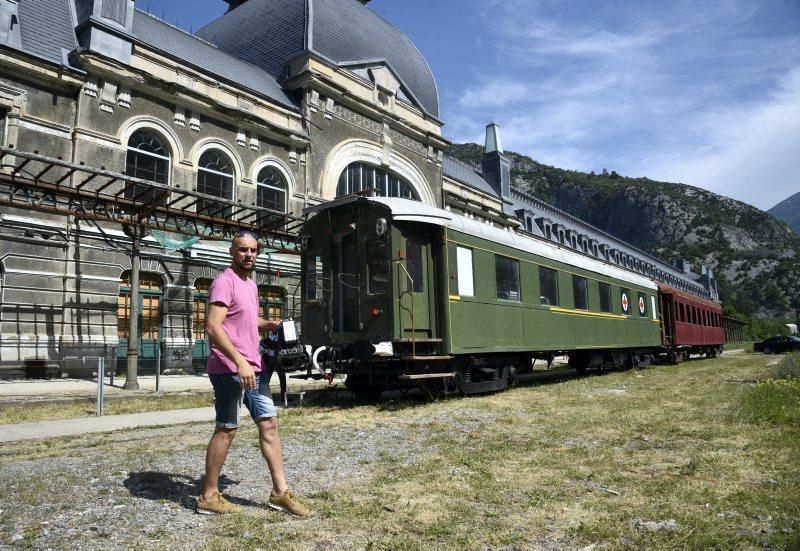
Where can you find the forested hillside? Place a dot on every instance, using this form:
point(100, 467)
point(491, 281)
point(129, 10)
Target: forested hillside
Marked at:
point(788, 210)
point(755, 256)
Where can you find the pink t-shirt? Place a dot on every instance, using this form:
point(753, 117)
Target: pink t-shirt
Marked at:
point(241, 323)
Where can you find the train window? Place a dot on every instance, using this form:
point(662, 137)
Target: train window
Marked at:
point(466, 284)
point(579, 291)
point(548, 287)
point(414, 266)
point(605, 297)
point(625, 300)
point(377, 266)
point(507, 275)
point(681, 312)
point(313, 276)
point(642, 305)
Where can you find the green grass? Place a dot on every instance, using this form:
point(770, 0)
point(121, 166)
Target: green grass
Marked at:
point(568, 465)
point(776, 398)
point(28, 412)
point(553, 465)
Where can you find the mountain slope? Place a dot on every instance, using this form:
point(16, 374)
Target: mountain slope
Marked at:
point(788, 210)
point(755, 257)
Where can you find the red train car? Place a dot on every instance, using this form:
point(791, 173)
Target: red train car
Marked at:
point(691, 325)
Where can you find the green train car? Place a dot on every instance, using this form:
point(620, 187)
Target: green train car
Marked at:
point(398, 294)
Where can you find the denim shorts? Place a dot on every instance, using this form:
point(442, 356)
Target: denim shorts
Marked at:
point(229, 397)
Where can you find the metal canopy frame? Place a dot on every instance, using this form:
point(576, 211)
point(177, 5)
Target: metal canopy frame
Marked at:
point(46, 184)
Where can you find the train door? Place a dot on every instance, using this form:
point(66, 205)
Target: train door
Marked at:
point(346, 283)
point(667, 319)
point(414, 281)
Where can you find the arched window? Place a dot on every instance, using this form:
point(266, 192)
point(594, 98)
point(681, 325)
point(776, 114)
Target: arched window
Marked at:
point(359, 176)
point(214, 177)
point(149, 159)
point(271, 189)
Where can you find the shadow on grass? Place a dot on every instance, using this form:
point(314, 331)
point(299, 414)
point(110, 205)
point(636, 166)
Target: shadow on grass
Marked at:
point(178, 488)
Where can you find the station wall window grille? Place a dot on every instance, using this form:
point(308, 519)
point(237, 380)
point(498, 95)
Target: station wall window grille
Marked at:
point(271, 189)
point(272, 301)
point(507, 278)
point(548, 287)
point(358, 177)
point(150, 289)
point(149, 159)
point(579, 291)
point(200, 308)
point(215, 176)
point(605, 297)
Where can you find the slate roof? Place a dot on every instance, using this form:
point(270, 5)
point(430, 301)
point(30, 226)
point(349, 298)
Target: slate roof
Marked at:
point(46, 29)
point(520, 200)
point(179, 44)
point(466, 174)
point(268, 33)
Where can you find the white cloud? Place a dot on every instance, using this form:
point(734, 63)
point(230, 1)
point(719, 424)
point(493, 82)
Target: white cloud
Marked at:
point(677, 91)
point(749, 152)
point(494, 93)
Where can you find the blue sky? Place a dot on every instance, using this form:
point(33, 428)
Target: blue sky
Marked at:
point(701, 92)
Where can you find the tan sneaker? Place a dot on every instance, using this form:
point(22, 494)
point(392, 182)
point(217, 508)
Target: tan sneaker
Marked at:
point(288, 503)
point(216, 505)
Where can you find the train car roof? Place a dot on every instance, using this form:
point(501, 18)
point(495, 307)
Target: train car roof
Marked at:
point(668, 290)
point(415, 211)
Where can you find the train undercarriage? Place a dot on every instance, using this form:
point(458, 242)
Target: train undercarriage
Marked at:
point(368, 376)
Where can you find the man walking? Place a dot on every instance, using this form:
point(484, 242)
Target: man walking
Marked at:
point(234, 367)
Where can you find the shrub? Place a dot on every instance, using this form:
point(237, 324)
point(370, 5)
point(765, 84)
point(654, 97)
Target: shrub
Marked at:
point(776, 399)
point(788, 368)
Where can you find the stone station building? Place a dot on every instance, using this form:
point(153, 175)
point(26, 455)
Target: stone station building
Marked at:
point(278, 103)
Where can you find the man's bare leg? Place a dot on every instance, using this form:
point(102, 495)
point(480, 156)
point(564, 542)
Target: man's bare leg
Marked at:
point(216, 453)
point(270, 442)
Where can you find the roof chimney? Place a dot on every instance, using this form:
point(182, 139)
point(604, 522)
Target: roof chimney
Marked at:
point(496, 166)
point(233, 4)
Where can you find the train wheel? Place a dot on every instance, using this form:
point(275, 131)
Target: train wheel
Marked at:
point(672, 357)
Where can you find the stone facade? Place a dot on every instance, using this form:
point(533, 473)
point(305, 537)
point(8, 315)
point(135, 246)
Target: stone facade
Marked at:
point(63, 279)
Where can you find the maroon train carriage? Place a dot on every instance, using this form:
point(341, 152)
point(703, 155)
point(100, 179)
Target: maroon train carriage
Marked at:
point(691, 325)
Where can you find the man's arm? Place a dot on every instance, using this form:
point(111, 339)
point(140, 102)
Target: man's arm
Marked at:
point(216, 316)
point(267, 325)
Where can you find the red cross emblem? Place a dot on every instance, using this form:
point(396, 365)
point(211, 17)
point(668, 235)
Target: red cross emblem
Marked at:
point(641, 305)
point(625, 302)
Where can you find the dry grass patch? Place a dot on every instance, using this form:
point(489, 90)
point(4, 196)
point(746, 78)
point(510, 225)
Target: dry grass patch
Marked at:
point(29, 412)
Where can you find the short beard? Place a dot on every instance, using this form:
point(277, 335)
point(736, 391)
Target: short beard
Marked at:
point(244, 269)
